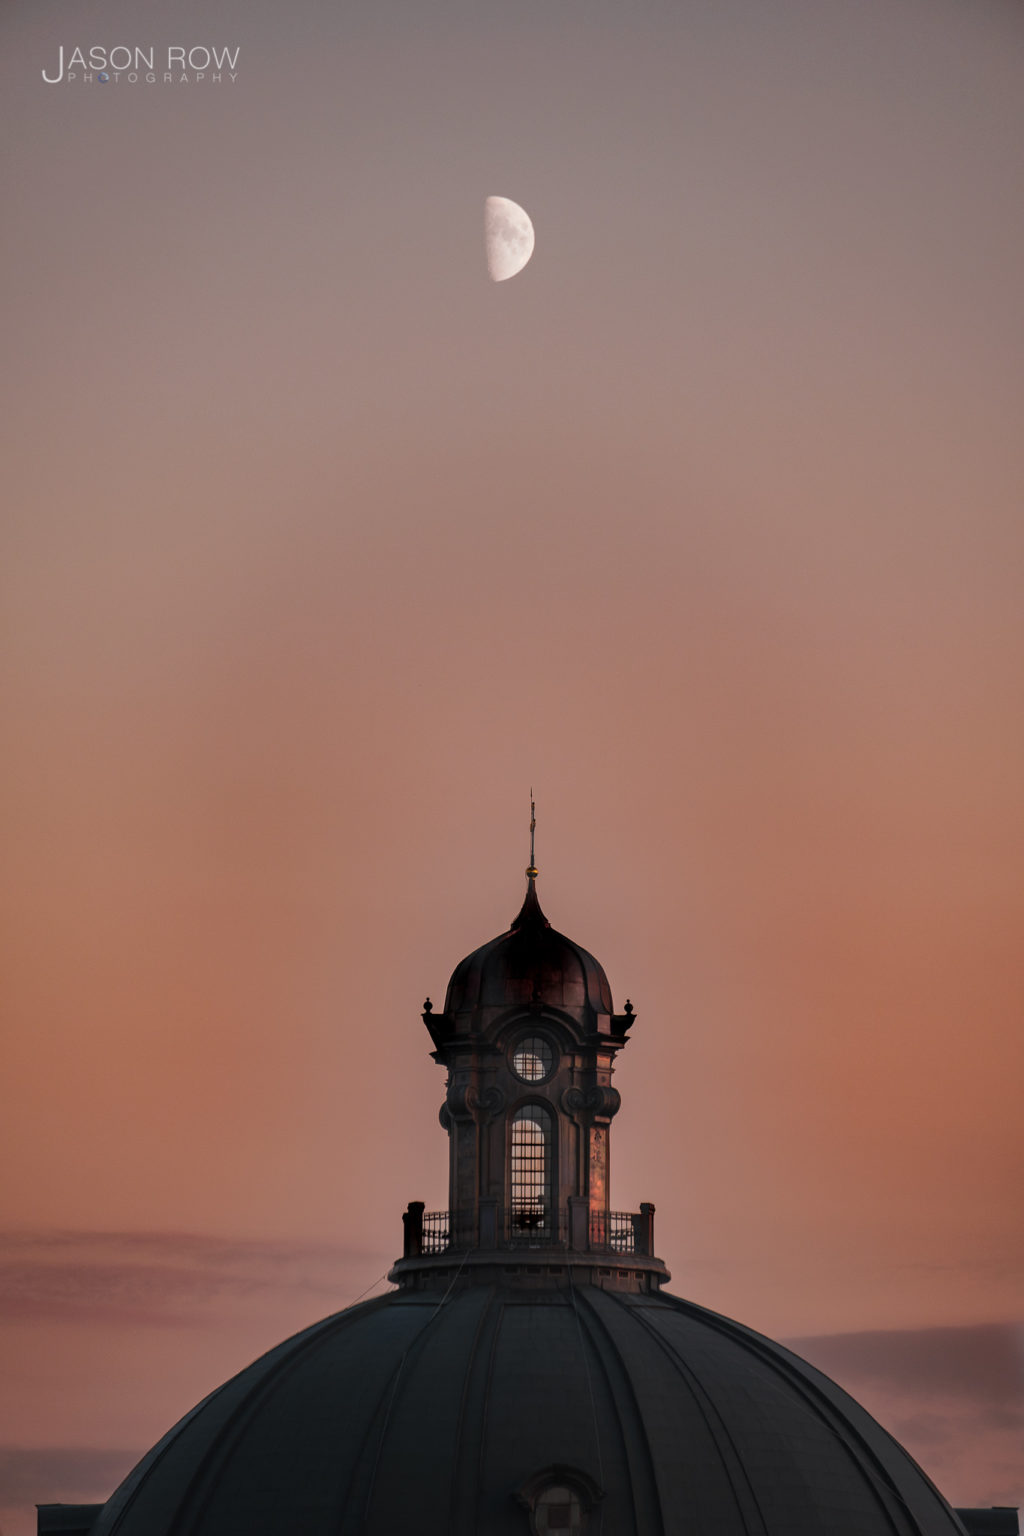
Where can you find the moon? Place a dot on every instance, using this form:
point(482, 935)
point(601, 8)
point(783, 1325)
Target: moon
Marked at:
point(508, 238)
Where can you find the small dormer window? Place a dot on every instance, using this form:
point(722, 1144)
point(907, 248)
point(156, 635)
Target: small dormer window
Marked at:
point(557, 1509)
point(533, 1059)
point(559, 1499)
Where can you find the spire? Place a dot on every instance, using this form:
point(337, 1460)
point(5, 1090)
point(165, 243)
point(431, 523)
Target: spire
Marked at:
point(530, 913)
point(531, 873)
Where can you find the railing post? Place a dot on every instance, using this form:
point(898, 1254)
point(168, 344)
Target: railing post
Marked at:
point(488, 1230)
point(579, 1223)
point(412, 1230)
point(643, 1228)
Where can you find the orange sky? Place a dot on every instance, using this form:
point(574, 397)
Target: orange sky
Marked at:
point(320, 549)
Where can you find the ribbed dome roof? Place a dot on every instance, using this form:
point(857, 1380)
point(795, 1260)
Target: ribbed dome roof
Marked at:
point(421, 1415)
point(532, 962)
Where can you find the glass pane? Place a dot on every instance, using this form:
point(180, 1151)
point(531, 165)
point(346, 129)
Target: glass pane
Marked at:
point(533, 1059)
point(530, 1170)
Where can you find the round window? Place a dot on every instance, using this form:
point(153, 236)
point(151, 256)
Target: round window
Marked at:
point(533, 1059)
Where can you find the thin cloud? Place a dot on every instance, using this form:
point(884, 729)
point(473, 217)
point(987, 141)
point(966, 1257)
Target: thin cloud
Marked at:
point(163, 1277)
point(58, 1473)
point(985, 1362)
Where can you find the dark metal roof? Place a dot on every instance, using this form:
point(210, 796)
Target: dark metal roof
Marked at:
point(66, 1519)
point(999, 1520)
point(420, 1413)
point(530, 963)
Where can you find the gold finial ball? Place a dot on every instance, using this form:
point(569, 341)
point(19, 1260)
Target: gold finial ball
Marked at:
point(531, 873)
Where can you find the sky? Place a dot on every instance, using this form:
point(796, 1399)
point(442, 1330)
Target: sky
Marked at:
point(320, 550)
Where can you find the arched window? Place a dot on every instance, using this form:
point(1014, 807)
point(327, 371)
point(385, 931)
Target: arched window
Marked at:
point(530, 1164)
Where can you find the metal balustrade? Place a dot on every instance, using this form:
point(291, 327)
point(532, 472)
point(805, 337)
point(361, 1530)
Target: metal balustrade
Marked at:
point(437, 1232)
point(615, 1232)
point(527, 1225)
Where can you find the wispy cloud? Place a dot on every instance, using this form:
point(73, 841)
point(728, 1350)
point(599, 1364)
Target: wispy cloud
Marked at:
point(58, 1473)
point(163, 1277)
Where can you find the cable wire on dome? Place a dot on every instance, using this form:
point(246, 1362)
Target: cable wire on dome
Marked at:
point(369, 1288)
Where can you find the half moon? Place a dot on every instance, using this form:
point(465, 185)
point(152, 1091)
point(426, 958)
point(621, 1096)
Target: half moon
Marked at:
point(508, 238)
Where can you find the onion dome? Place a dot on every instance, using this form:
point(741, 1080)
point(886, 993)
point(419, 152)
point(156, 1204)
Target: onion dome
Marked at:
point(493, 1409)
point(530, 964)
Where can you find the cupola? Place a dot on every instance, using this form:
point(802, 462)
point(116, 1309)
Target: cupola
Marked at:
point(528, 1037)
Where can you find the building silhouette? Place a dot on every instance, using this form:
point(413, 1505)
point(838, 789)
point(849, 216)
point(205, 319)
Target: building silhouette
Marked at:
point(529, 1373)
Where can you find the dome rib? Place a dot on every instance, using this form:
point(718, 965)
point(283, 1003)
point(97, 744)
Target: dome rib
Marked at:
point(426, 1411)
point(210, 1473)
point(825, 1411)
point(746, 1501)
point(139, 1481)
point(381, 1416)
point(497, 1314)
point(435, 1382)
point(470, 1437)
point(636, 1438)
point(833, 1408)
point(820, 1397)
point(690, 1373)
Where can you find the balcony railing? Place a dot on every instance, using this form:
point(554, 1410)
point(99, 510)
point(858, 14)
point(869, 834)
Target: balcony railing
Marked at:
point(616, 1232)
point(532, 1226)
point(528, 1226)
point(437, 1231)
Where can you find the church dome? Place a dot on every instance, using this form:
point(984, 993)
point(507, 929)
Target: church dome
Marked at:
point(492, 1410)
point(531, 963)
point(529, 1374)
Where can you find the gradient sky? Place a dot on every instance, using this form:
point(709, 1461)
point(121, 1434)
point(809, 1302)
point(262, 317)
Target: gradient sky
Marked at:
point(320, 549)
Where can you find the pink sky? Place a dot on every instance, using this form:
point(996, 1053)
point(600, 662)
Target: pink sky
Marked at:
point(320, 550)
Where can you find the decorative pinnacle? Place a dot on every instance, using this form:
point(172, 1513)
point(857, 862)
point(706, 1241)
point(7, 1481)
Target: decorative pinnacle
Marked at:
point(531, 873)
